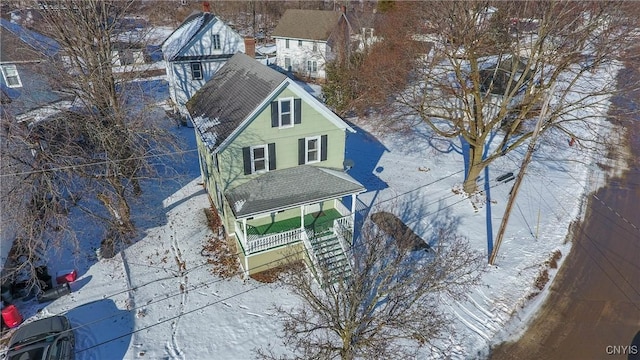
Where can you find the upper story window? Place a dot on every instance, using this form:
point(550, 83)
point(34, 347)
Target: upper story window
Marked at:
point(259, 158)
point(315, 46)
point(285, 115)
point(215, 42)
point(286, 43)
point(299, 43)
point(11, 77)
point(312, 149)
point(196, 71)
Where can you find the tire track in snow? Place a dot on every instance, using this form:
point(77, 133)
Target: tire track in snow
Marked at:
point(173, 347)
point(476, 317)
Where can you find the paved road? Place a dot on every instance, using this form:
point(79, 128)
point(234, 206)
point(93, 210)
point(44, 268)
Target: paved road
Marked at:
point(593, 308)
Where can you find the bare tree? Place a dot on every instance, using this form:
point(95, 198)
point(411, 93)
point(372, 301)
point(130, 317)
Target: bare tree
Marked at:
point(492, 64)
point(99, 149)
point(386, 307)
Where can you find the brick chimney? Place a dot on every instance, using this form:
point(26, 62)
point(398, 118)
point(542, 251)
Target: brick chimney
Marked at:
point(250, 46)
point(206, 7)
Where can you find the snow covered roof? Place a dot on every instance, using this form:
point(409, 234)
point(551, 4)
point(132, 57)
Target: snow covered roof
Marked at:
point(280, 189)
point(226, 100)
point(178, 39)
point(13, 35)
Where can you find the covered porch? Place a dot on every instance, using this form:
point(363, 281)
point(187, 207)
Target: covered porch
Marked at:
point(290, 206)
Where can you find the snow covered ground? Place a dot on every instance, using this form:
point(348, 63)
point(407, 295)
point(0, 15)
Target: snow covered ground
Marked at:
point(157, 299)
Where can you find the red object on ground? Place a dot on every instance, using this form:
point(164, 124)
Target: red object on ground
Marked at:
point(11, 316)
point(66, 276)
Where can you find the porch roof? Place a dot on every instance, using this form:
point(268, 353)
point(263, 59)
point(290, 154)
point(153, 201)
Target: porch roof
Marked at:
point(286, 188)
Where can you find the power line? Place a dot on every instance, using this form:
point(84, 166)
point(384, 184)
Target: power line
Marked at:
point(293, 255)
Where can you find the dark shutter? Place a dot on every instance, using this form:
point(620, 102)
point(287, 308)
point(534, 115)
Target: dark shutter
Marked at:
point(301, 151)
point(272, 156)
point(246, 158)
point(274, 114)
point(297, 111)
point(323, 147)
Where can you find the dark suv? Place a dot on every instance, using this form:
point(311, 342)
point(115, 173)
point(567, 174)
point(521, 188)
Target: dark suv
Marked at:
point(45, 339)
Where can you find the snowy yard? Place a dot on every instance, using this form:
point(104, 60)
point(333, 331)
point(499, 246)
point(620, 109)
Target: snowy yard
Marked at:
point(157, 299)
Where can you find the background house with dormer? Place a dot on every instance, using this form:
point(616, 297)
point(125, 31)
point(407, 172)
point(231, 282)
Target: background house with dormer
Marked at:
point(195, 51)
point(271, 157)
point(307, 39)
point(27, 83)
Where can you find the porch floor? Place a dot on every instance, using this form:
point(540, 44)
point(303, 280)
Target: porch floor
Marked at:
point(318, 222)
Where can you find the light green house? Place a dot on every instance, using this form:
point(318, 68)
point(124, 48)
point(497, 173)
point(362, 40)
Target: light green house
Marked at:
point(271, 157)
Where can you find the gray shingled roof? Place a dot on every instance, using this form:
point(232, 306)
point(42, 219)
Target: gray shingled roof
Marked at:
point(307, 24)
point(221, 105)
point(286, 188)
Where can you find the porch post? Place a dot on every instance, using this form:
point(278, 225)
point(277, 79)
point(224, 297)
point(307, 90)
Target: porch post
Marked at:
point(246, 251)
point(302, 220)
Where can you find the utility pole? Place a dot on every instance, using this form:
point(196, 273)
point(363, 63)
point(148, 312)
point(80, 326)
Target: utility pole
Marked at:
point(520, 177)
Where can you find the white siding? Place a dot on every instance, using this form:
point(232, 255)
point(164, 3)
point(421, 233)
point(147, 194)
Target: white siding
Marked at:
point(299, 55)
point(230, 41)
point(181, 85)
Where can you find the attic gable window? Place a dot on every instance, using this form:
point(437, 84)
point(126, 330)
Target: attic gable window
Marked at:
point(215, 41)
point(196, 71)
point(286, 112)
point(11, 77)
point(284, 116)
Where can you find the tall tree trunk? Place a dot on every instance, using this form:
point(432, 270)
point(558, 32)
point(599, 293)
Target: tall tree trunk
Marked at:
point(475, 168)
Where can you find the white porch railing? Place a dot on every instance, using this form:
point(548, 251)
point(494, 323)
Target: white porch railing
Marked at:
point(306, 240)
point(261, 243)
point(343, 226)
point(256, 243)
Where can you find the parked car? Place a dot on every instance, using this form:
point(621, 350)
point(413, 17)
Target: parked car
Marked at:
point(45, 339)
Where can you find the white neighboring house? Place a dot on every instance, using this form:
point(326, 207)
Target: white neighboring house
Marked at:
point(307, 39)
point(194, 52)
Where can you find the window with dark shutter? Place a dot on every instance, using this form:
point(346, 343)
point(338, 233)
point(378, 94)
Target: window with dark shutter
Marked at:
point(297, 108)
point(246, 158)
point(259, 158)
point(272, 156)
point(274, 114)
point(301, 151)
point(323, 147)
point(285, 112)
point(312, 149)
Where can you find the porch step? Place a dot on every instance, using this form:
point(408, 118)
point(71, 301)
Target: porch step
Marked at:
point(330, 255)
